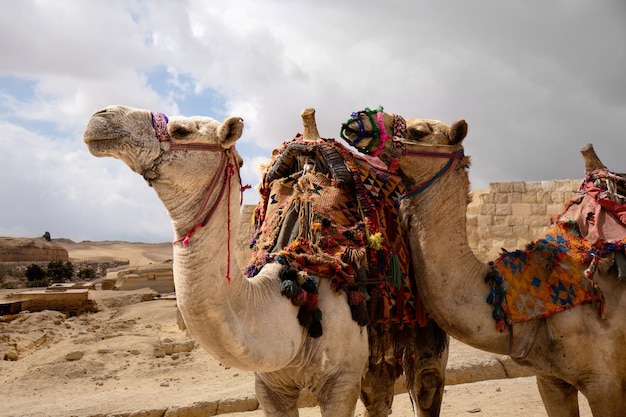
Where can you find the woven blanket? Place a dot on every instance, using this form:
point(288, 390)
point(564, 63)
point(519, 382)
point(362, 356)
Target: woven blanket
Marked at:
point(599, 208)
point(548, 277)
point(556, 271)
point(344, 230)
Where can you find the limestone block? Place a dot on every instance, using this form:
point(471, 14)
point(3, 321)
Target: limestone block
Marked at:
point(487, 209)
point(502, 198)
point(500, 187)
point(554, 209)
point(488, 368)
point(533, 187)
point(515, 197)
point(520, 209)
point(503, 209)
point(529, 198)
point(197, 409)
point(518, 186)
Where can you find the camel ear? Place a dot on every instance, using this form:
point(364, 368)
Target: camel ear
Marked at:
point(458, 131)
point(229, 131)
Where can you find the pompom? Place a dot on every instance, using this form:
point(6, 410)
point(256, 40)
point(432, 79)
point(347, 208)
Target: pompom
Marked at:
point(289, 288)
point(288, 273)
point(300, 299)
point(375, 241)
point(310, 285)
point(311, 301)
point(302, 277)
point(251, 270)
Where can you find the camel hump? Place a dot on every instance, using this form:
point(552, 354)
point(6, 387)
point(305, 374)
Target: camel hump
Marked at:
point(592, 162)
point(310, 127)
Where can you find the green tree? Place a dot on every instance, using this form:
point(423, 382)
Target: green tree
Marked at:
point(35, 273)
point(58, 271)
point(86, 273)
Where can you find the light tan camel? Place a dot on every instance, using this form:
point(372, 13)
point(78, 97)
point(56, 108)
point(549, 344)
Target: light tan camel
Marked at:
point(247, 323)
point(244, 323)
point(571, 351)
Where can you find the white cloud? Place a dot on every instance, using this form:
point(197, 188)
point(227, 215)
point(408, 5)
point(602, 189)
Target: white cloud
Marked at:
point(535, 81)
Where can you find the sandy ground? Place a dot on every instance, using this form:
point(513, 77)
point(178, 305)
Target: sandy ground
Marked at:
point(131, 359)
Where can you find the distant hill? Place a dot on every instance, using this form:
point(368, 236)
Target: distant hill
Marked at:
point(23, 249)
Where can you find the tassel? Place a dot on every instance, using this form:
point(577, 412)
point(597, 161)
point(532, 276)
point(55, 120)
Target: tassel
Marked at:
point(315, 330)
point(396, 271)
point(359, 314)
point(355, 298)
point(305, 317)
point(375, 241)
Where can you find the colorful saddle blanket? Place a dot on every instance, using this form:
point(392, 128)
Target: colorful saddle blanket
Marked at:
point(556, 272)
point(326, 212)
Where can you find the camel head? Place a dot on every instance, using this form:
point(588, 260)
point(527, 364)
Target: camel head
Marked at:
point(421, 149)
point(156, 147)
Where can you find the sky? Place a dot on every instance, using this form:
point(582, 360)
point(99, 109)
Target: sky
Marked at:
point(535, 81)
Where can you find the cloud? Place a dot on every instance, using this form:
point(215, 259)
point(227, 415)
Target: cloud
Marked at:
point(534, 80)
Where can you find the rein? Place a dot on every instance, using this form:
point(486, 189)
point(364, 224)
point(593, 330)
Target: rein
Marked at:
point(423, 186)
point(225, 171)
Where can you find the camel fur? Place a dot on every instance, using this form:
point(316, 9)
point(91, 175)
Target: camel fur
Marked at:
point(232, 317)
point(192, 164)
point(576, 350)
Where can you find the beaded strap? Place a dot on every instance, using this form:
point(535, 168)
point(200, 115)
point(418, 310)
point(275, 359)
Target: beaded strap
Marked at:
point(159, 122)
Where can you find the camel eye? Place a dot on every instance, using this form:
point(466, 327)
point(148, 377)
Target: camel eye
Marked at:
point(417, 134)
point(181, 132)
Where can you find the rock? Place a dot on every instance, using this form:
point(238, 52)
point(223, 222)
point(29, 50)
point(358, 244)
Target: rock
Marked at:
point(74, 356)
point(11, 355)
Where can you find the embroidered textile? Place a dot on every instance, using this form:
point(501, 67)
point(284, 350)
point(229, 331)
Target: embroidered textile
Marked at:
point(345, 229)
point(548, 277)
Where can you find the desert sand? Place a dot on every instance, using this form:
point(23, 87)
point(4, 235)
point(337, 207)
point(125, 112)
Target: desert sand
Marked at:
point(131, 359)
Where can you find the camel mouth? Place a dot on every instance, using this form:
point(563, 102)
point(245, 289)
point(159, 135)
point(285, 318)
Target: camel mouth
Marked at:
point(100, 129)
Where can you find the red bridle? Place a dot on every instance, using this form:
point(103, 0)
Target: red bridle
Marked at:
point(227, 168)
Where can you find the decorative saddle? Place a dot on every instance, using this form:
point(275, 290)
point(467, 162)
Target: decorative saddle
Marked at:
point(327, 213)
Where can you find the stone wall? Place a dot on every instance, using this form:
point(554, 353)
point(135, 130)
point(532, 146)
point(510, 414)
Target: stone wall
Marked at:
point(507, 215)
point(511, 214)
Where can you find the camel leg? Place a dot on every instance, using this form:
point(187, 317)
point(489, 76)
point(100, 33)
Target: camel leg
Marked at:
point(559, 398)
point(337, 397)
point(426, 390)
point(276, 403)
point(377, 389)
point(425, 369)
point(607, 397)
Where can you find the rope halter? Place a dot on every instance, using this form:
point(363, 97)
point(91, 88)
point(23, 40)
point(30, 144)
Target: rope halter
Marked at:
point(378, 134)
point(227, 168)
point(453, 156)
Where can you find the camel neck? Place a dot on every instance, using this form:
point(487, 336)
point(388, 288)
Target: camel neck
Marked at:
point(453, 275)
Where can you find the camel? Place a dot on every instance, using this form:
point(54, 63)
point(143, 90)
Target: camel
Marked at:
point(579, 349)
point(246, 323)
